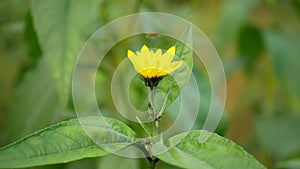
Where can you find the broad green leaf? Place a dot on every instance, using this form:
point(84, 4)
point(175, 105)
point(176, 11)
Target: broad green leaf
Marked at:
point(171, 85)
point(190, 151)
point(35, 104)
point(145, 127)
point(65, 142)
point(110, 133)
point(62, 27)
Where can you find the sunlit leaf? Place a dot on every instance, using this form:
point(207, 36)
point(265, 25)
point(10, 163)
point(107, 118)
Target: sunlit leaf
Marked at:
point(65, 142)
point(215, 152)
point(145, 127)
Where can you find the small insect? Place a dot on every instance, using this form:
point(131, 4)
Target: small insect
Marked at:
point(152, 34)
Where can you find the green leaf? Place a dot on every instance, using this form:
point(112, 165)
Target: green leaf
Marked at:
point(62, 27)
point(35, 104)
point(171, 85)
point(145, 127)
point(65, 142)
point(190, 151)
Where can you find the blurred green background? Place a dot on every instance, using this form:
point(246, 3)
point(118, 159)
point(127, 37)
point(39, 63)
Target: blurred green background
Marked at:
point(257, 40)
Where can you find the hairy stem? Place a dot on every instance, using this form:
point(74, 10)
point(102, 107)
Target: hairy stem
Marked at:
point(153, 162)
point(155, 125)
point(153, 113)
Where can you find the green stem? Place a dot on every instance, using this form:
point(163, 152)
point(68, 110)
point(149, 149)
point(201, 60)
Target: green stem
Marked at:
point(152, 113)
point(155, 124)
point(153, 162)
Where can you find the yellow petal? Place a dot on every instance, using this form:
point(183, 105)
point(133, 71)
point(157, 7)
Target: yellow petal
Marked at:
point(173, 66)
point(172, 50)
point(157, 58)
point(134, 60)
point(152, 72)
point(151, 52)
point(129, 53)
point(146, 73)
point(152, 64)
point(131, 56)
point(160, 73)
point(166, 59)
point(158, 52)
point(139, 54)
point(145, 57)
point(144, 48)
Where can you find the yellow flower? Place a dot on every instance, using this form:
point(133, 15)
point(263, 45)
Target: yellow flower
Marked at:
point(153, 66)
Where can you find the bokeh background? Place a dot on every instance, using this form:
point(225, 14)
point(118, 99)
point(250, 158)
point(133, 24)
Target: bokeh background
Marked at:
point(258, 42)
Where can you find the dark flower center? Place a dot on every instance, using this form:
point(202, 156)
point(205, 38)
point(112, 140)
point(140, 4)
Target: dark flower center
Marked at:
point(152, 82)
